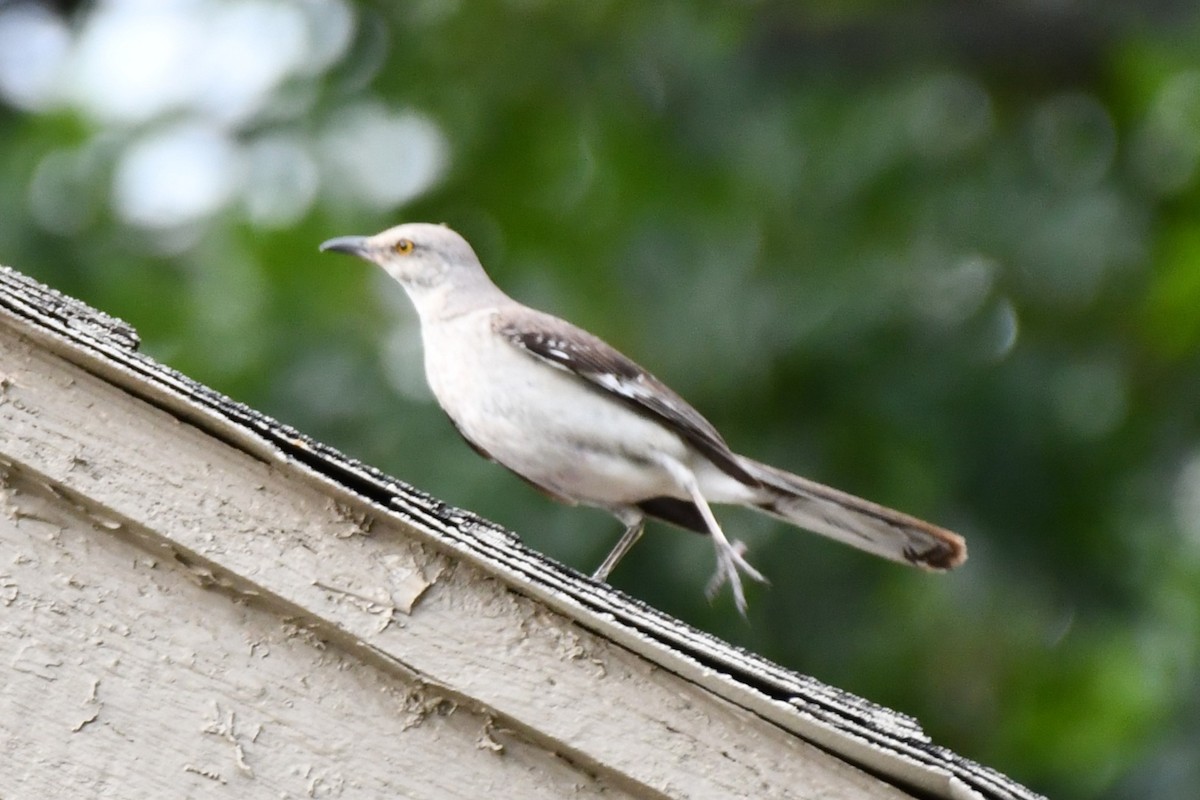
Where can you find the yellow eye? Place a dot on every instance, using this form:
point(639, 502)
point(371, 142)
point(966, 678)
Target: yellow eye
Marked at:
point(403, 247)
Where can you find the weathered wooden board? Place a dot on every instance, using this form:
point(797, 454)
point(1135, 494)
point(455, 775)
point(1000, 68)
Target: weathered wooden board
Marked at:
point(421, 595)
point(127, 675)
point(391, 608)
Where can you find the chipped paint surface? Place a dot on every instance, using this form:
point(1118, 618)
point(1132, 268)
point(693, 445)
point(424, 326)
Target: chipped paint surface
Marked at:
point(151, 684)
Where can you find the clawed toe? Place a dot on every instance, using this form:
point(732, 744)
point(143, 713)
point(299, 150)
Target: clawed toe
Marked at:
point(730, 559)
point(737, 550)
point(717, 581)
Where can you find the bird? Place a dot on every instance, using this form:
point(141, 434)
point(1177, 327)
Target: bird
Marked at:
point(586, 425)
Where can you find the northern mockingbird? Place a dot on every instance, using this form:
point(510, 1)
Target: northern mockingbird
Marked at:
point(583, 423)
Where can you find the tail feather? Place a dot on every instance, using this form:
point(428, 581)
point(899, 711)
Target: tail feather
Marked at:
point(854, 521)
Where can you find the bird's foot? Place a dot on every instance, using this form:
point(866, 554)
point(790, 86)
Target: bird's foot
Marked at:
point(730, 560)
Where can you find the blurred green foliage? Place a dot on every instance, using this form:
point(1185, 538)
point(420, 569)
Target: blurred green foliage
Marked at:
point(944, 256)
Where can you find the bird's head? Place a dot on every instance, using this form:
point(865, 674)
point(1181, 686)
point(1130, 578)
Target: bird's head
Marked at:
point(418, 255)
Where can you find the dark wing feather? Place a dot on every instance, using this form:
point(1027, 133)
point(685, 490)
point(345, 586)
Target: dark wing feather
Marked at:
point(566, 347)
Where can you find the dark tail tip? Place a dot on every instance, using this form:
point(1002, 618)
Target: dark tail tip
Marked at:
point(942, 555)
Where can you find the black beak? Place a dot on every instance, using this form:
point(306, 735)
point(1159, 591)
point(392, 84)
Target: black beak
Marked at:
point(351, 245)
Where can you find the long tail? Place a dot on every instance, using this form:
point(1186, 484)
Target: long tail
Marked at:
point(854, 521)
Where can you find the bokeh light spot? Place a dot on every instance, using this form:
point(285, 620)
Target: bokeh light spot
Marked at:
point(33, 47)
point(281, 181)
point(1187, 500)
point(1004, 329)
point(384, 159)
point(135, 60)
point(1167, 148)
point(1074, 140)
point(176, 175)
point(1091, 397)
point(950, 295)
point(948, 114)
point(60, 196)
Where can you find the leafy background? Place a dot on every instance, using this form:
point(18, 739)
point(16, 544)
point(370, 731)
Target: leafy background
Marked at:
point(942, 255)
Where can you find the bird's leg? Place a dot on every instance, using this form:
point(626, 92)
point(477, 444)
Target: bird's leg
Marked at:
point(729, 556)
point(635, 523)
point(729, 559)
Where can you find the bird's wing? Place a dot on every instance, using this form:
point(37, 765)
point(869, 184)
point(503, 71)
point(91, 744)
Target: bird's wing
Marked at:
point(562, 345)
